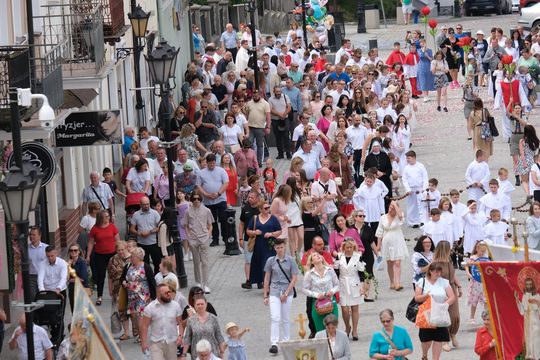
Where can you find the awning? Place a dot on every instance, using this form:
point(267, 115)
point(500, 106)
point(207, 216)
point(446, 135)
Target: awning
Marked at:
point(77, 98)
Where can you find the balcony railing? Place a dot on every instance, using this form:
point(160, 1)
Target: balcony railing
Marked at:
point(14, 72)
point(114, 25)
point(78, 29)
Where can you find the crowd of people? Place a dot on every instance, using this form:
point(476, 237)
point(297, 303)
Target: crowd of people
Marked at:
point(346, 125)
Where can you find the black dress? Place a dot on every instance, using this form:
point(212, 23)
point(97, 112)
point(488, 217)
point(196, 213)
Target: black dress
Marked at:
point(312, 228)
point(453, 63)
point(368, 237)
point(381, 161)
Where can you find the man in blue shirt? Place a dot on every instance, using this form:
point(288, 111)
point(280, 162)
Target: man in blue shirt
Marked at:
point(229, 40)
point(339, 74)
point(293, 93)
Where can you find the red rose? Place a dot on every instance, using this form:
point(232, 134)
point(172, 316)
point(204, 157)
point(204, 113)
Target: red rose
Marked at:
point(425, 11)
point(507, 59)
point(432, 23)
point(465, 41)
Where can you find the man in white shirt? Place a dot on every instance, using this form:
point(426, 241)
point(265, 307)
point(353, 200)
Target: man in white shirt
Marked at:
point(414, 179)
point(477, 176)
point(99, 192)
point(182, 159)
point(312, 162)
point(145, 138)
point(299, 129)
point(159, 326)
point(356, 135)
point(345, 49)
point(53, 276)
point(318, 147)
point(495, 200)
point(340, 90)
point(356, 59)
point(36, 255)
point(280, 107)
point(325, 189)
point(43, 348)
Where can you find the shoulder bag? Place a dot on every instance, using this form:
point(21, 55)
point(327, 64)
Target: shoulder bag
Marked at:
point(101, 201)
point(412, 307)
point(286, 276)
point(330, 347)
point(251, 239)
point(339, 179)
point(492, 126)
point(390, 342)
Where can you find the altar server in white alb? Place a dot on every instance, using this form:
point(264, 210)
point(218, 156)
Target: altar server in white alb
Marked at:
point(429, 199)
point(436, 229)
point(473, 224)
point(495, 199)
point(448, 217)
point(458, 209)
point(370, 198)
point(496, 231)
point(414, 179)
point(505, 186)
point(477, 176)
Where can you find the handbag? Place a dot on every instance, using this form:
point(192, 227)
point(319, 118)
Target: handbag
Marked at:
point(439, 315)
point(390, 342)
point(286, 277)
point(424, 315)
point(324, 306)
point(412, 307)
point(339, 179)
point(492, 126)
point(251, 239)
point(122, 302)
point(116, 324)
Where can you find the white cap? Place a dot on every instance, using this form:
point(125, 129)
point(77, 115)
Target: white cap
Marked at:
point(480, 32)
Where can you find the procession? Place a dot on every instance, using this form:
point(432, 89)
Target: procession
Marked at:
point(379, 200)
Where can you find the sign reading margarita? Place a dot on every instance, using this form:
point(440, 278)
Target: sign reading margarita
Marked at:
point(90, 128)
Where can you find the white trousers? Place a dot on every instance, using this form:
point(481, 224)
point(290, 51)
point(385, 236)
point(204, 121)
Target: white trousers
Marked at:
point(280, 329)
point(506, 126)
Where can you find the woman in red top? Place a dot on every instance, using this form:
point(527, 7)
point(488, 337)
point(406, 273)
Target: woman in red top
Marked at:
point(485, 343)
point(232, 189)
point(103, 236)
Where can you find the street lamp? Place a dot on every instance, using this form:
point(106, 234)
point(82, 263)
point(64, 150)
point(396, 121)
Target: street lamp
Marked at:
point(19, 193)
point(139, 21)
point(250, 6)
point(361, 13)
point(162, 66)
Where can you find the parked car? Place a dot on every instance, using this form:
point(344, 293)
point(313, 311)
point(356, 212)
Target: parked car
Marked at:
point(515, 5)
point(529, 17)
point(527, 3)
point(500, 7)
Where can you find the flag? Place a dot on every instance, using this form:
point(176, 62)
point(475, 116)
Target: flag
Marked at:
point(500, 252)
point(313, 349)
point(512, 294)
point(90, 335)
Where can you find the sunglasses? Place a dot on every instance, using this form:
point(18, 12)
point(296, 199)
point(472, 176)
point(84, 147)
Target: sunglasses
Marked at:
point(371, 73)
point(266, 207)
point(354, 73)
point(361, 216)
point(386, 321)
point(182, 112)
point(196, 198)
point(73, 250)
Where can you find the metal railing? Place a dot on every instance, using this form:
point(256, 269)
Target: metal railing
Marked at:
point(113, 17)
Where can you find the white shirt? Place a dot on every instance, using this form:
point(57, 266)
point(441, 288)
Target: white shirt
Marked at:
point(340, 53)
point(477, 172)
point(494, 232)
point(138, 180)
point(169, 277)
point(52, 276)
point(532, 186)
point(359, 63)
point(144, 142)
point(317, 189)
point(179, 167)
point(356, 136)
point(382, 112)
point(299, 131)
point(42, 343)
point(414, 176)
point(336, 95)
point(497, 201)
point(37, 256)
point(230, 134)
point(437, 231)
point(163, 321)
point(318, 148)
point(535, 48)
point(87, 222)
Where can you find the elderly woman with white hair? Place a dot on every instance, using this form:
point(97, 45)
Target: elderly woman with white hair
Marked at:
point(204, 351)
point(338, 342)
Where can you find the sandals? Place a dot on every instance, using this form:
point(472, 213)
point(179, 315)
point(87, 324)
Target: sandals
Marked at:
point(124, 337)
point(98, 302)
point(399, 288)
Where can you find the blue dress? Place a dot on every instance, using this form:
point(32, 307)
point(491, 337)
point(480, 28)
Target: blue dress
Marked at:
point(237, 349)
point(424, 77)
point(262, 250)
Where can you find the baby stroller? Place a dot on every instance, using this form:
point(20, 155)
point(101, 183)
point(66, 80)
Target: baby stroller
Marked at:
point(51, 315)
point(132, 205)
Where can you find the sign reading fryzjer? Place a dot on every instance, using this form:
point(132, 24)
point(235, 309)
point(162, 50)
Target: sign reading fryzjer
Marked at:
point(90, 128)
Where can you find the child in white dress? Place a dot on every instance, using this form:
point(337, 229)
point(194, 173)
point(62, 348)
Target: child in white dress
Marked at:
point(429, 199)
point(473, 222)
point(448, 217)
point(496, 231)
point(436, 229)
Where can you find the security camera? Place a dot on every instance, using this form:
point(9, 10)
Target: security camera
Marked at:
point(46, 115)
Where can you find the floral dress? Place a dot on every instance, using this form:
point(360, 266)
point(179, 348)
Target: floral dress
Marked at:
point(138, 289)
point(524, 164)
point(115, 269)
point(189, 144)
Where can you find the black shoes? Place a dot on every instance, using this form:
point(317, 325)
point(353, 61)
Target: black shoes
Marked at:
point(279, 157)
point(260, 286)
point(518, 180)
point(445, 109)
point(368, 300)
point(273, 349)
point(438, 108)
point(416, 226)
point(214, 243)
point(246, 285)
point(289, 156)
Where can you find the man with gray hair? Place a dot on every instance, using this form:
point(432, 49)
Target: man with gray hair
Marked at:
point(99, 192)
point(318, 147)
point(229, 40)
point(129, 138)
point(280, 107)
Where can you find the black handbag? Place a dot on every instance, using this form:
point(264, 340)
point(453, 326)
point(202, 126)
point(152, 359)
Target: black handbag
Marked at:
point(412, 307)
point(492, 126)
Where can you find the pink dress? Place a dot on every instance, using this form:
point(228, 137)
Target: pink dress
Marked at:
point(323, 125)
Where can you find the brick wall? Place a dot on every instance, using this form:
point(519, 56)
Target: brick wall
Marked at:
point(67, 231)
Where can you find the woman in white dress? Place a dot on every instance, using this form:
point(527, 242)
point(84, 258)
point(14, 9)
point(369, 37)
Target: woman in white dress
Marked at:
point(391, 241)
point(231, 134)
point(401, 140)
point(369, 197)
point(349, 268)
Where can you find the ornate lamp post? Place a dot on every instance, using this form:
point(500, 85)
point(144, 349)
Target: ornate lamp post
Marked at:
point(361, 12)
point(251, 6)
point(19, 193)
point(162, 65)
